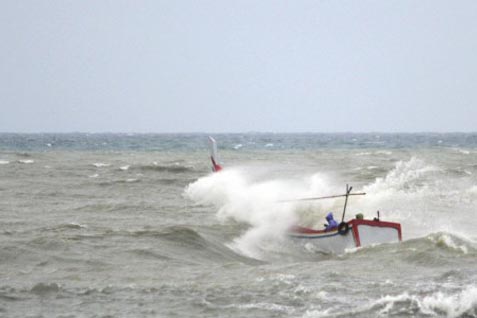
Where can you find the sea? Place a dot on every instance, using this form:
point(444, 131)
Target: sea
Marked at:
point(137, 225)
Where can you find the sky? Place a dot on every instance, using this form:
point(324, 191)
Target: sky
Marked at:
point(238, 66)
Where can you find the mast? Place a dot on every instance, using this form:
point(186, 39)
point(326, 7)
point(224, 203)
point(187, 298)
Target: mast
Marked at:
point(348, 190)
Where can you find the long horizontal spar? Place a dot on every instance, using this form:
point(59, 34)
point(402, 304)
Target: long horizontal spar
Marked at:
point(320, 198)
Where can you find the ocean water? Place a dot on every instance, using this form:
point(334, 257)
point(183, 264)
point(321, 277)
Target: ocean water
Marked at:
point(136, 225)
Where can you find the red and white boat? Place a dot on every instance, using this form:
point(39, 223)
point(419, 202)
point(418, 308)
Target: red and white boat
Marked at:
point(351, 234)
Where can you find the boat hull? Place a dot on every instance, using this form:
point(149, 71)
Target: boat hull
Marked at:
point(359, 233)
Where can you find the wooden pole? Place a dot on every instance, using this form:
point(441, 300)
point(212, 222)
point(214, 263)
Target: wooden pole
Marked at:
point(348, 190)
point(320, 198)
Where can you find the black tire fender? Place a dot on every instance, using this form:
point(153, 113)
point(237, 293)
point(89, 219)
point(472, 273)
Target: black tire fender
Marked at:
point(343, 228)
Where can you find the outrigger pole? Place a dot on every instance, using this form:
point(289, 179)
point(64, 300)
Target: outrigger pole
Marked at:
point(327, 197)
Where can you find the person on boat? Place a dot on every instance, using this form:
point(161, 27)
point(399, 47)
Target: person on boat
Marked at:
point(332, 224)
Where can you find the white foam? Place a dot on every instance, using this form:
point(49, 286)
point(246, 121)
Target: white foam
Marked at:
point(238, 146)
point(444, 239)
point(463, 151)
point(401, 177)
point(456, 304)
point(269, 145)
point(26, 161)
point(383, 152)
point(264, 306)
point(94, 175)
point(124, 168)
point(4, 162)
point(472, 190)
point(101, 164)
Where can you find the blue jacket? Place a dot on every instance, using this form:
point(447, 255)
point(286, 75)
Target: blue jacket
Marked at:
point(332, 224)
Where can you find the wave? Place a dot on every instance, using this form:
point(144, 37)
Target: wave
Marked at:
point(241, 200)
point(44, 289)
point(119, 181)
point(452, 304)
point(147, 253)
point(190, 246)
point(461, 303)
point(175, 168)
point(428, 249)
point(402, 178)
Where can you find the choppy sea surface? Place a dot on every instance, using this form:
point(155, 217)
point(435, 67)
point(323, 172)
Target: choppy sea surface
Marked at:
point(136, 225)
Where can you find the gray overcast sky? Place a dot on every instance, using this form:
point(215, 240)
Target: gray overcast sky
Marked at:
point(236, 66)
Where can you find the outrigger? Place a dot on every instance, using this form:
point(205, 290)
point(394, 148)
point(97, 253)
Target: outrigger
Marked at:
point(354, 233)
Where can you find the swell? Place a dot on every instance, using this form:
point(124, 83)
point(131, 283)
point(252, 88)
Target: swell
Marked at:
point(191, 246)
point(432, 250)
point(61, 243)
point(174, 168)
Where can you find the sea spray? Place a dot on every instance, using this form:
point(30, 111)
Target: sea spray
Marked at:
point(261, 205)
point(255, 204)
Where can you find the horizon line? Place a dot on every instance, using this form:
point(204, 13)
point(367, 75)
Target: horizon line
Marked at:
point(231, 132)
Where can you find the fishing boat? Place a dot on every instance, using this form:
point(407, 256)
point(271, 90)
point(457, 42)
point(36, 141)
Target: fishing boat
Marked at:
point(354, 233)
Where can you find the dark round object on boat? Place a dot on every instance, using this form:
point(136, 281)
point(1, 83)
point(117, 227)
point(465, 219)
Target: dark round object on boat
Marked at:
point(343, 228)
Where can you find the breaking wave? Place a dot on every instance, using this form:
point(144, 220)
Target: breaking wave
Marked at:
point(461, 303)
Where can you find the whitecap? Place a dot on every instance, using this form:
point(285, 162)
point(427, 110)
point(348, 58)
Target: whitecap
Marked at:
point(27, 161)
point(472, 190)
point(101, 164)
point(446, 240)
point(94, 175)
point(462, 303)
point(124, 168)
point(264, 306)
point(269, 145)
point(75, 225)
point(238, 146)
point(4, 162)
point(404, 174)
